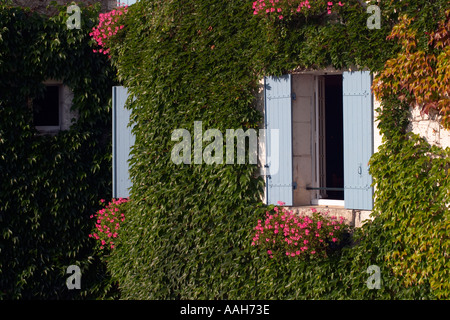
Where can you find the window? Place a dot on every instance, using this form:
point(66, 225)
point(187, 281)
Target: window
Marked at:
point(52, 112)
point(329, 138)
point(325, 124)
point(46, 109)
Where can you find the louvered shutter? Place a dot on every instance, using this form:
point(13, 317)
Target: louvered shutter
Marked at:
point(278, 122)
point(123, 140)
point(358, 142)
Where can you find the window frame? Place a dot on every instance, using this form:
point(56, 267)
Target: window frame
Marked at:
point(65, 97)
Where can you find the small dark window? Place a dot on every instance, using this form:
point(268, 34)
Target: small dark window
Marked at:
point(46, 109)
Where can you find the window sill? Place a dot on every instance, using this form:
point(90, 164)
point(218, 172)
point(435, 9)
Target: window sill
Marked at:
point(328, 202)
point(49, 130)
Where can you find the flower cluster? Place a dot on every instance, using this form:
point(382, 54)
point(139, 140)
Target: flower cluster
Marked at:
point(286, 234)
point(280, 7)
point(107, 27)
point(108, 222)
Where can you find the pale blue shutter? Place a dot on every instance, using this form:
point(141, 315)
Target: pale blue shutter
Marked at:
point(358, 145)
point(278, 117)
point(123, 140)
point(126, 2)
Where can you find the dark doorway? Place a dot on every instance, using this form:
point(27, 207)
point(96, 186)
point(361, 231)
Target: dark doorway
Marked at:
point(46, 109)
point(334, 136)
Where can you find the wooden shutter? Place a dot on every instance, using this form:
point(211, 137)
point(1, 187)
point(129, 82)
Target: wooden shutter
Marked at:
point(278, 117)
point(123, 140)
point(358, 142)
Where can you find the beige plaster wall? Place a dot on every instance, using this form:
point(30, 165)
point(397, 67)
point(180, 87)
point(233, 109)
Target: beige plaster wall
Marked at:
point(429, 127)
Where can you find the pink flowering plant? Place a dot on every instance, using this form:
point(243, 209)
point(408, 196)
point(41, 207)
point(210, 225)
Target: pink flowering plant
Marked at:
point(107, 223)
point(286, 234)
point(109, 25)
point(281, 9)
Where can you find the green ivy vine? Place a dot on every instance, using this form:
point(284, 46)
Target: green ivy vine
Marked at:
point(189, 227)
point(51, 184)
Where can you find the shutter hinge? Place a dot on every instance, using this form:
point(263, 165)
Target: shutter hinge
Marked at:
point(294, 96)
point(267, 175)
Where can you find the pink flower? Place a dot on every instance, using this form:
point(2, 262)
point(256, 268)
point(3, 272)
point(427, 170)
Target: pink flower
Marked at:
point(281, 203)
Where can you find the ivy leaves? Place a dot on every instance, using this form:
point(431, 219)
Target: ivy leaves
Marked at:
point(412, 203)
point(189, 229)
point(417, 76)
point(50, 185)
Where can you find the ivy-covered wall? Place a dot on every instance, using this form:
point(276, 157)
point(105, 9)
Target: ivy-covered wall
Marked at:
point(45, 7)
point(189, 227)
point(51, 184)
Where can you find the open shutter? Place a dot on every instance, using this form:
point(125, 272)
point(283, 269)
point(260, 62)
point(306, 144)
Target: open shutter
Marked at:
point(358, 142)
point(278, 122)
point(123, 140)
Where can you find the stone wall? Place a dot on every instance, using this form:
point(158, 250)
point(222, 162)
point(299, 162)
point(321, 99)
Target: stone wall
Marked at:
point(41, 5)
point(429, 127)
point(354, 218)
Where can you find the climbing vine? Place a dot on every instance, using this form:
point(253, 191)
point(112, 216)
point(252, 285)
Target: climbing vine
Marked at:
point(283, 8)
point(186, 61)
point(411, 176)
point(419, 76)
point(50, 184)
point(188, 228)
